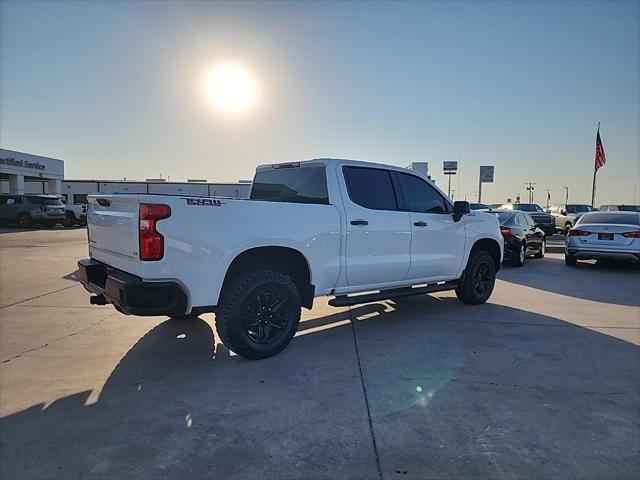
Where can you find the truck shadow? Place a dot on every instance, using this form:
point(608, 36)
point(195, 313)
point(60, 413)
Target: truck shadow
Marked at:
point(178, 404)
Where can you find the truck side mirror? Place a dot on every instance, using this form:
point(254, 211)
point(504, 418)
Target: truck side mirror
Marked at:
point(460, 208)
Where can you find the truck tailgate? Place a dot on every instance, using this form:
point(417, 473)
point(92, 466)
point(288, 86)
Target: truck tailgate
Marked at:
point(112, 223)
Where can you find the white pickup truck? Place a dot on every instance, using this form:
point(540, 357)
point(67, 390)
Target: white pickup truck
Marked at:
point(357, 231)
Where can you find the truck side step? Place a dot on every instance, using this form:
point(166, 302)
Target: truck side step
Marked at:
point(348, 300)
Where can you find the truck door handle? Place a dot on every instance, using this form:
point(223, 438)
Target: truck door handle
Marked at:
point(359, 222)
point(420, 224)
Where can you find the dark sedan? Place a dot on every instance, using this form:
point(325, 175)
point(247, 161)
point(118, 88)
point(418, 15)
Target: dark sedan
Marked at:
point(521, 236)
point(545, 221)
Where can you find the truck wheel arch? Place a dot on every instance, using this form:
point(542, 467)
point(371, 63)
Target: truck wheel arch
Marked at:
point(490, 246)
point(286, 260)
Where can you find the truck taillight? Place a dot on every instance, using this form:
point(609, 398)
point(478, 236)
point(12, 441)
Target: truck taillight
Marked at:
point(151, 242)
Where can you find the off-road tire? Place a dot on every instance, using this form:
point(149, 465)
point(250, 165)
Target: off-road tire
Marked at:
point(467, 291)
point(24, 220)
point(236, 304)
point(570, 260)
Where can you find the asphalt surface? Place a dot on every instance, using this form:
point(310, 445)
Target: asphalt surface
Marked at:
point(541, 382)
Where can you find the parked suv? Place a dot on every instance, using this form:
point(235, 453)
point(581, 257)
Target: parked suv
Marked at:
point(28, 210)
point(567, 215)
point(544, 221)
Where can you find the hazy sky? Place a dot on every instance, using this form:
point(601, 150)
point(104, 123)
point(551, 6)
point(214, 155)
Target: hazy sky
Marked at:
point(115, 89)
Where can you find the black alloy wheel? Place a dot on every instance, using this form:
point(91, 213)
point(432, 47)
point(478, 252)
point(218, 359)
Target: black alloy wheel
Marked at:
point(259, 313)
point(482, 279)
point(478, 281)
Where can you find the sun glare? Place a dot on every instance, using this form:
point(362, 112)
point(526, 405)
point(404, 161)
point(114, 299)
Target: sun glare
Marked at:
point(231, 88)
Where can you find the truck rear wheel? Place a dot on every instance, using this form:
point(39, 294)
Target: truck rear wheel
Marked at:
point(258, 314)
point(479, 279)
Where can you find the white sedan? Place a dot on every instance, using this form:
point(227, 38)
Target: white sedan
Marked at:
point(604, 235)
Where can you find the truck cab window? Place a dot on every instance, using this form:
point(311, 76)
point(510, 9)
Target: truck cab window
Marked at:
point(294, 185)
point(370, 188)
point(419, 196)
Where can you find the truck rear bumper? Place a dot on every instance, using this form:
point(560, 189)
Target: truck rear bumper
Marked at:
point(130, 294)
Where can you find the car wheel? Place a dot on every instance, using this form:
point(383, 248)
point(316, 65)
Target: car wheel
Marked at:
point(479, 279)
point(24, 220)
point(69, 220)
point(570, 260)
point(518, 259)
point(258, 314)
point(543, 248)
point(567, 227)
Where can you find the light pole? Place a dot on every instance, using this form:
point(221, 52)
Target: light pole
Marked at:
point(566, 195)
point(530, 190)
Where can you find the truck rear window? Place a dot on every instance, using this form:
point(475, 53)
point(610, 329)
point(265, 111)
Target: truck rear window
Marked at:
point(294, 185)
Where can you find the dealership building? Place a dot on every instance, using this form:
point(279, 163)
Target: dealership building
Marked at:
point(25, 173)
point(18, 168)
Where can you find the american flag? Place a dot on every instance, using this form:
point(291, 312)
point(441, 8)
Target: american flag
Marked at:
point(601, 158)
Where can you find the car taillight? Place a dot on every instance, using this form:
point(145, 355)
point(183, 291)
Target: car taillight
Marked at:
point(151, 242)
point(506, 232)
point(632, 234)
point(578, 233)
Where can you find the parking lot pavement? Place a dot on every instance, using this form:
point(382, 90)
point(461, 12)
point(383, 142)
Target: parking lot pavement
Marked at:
point(541, 382)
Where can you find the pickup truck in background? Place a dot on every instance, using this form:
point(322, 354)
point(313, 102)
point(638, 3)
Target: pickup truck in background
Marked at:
point(357, 231)
point(75, 214)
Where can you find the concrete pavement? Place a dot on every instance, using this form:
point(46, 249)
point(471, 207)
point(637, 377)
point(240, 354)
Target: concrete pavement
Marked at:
point(542, 382)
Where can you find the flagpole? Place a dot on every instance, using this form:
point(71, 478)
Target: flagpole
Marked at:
point(593, 189)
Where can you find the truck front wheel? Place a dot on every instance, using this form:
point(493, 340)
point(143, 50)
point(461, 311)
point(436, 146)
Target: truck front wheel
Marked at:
point(258, 314)
point(478, 280)
point(69, 220)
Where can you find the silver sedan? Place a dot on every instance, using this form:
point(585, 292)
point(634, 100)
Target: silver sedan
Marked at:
point(604, 235)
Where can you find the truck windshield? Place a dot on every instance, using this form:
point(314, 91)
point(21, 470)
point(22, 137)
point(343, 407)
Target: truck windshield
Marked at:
point(527, 207)
point(294, 185)
point(578, 208)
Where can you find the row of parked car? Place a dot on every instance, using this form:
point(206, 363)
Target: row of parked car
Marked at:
point(26, 211)
point(609, 233)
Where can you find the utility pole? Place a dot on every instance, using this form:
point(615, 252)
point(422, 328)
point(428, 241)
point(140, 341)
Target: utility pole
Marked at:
point(548, 197)
point(530, 188)
point(566, 195)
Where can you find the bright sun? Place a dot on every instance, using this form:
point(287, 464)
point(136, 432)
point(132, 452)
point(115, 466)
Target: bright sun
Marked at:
point(231, 88)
